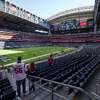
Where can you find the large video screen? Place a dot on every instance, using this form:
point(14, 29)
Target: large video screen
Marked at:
point(73, 24)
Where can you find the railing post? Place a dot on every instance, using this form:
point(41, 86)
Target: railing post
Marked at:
point(52, 93)
point(29, 83)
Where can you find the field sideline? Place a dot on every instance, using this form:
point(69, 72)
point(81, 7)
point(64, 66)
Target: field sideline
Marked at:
point(34, 53)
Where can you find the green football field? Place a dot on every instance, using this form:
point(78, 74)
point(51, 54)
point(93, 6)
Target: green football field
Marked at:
point(32, 54)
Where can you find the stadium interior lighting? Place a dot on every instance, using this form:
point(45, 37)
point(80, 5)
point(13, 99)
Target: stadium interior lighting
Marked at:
point(41, 31)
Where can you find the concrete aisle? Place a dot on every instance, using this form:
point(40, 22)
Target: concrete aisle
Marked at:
point(90, 86)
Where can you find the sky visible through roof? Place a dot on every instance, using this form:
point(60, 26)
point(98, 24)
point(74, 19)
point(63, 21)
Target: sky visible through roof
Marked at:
point(47, 8)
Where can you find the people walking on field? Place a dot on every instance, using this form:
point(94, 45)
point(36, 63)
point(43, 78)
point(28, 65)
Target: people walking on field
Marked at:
point(19, 72)
point(31, 71)
point(50, 60)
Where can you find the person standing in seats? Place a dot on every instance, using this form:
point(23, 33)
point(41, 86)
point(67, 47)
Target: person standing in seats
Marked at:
point(19, 72)
point(50, 60)
point(31, 70)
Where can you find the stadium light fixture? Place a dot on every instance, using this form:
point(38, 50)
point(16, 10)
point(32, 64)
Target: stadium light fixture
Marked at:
point(41, 31)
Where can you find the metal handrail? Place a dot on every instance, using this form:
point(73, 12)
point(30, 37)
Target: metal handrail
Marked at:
point(96, 95)
point(98, 89)
point(89, 95)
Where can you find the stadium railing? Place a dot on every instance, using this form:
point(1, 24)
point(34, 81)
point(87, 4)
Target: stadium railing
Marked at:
point(53, 92)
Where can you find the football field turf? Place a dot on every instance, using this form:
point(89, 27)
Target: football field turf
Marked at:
point(36, 53)
point(6, 52)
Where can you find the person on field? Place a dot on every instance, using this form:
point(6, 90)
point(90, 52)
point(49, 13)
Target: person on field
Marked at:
point(50, 60)
point(31, 71)
point(19, 72)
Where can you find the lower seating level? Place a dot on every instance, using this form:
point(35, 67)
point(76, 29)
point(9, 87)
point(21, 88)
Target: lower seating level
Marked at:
point(73, 69)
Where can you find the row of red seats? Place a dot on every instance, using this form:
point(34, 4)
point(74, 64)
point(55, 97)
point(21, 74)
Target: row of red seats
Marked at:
point(51, 39)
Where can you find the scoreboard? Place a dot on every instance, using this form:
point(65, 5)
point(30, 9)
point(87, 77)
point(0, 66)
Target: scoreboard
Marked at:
point(73, 25)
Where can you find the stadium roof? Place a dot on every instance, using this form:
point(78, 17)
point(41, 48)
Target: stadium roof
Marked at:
point(72, 11)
